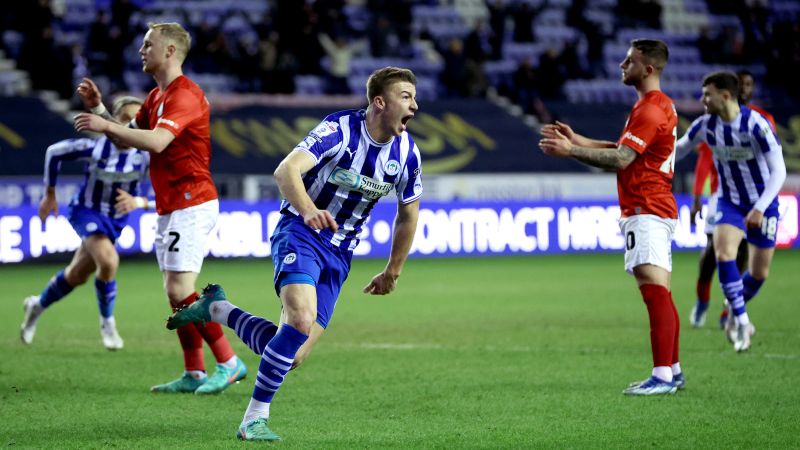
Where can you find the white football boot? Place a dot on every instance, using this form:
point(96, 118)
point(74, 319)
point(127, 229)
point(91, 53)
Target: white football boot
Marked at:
point(109, 334)
point(32, 310)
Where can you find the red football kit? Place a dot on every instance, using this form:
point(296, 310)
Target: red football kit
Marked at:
point(645, 186)
point(180, 174)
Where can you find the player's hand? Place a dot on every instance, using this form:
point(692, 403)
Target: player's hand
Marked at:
point(697, 210)
point(125, 202)
point(48, 205)
point(565, 130)
point(320, 219)
point(381, 284)
point(89, 93)
point(90, 122)
point(554, 143)
point(753, 219)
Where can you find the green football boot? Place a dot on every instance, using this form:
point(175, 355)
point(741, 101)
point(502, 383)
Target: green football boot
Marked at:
point(256, 430)
point(223, 378)
point(199, 310)
point(184, 384)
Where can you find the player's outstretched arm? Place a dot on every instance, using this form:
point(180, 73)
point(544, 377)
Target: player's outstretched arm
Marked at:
point(289, 176)
point(405, 227)
point(552, 130)
point(155, 141)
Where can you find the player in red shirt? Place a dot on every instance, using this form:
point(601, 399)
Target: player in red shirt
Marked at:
point(644, 159)
point(173, 125)
point(705, 169)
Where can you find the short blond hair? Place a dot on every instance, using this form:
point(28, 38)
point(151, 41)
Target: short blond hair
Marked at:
point(175, 34)
point(381, 79)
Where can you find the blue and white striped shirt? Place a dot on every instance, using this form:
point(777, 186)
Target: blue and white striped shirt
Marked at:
point(353, 172)
point(106, 169)
point(740, 151)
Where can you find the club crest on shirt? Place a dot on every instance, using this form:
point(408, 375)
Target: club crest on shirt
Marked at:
point(392, 167)
point(137, 158)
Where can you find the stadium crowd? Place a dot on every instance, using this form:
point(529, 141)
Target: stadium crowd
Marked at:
point(265, 46)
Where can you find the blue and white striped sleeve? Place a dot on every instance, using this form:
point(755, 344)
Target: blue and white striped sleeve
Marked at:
point(409, 188)
point(763, 134)
point(66, 150)
point(324, 140)
point(691, 138)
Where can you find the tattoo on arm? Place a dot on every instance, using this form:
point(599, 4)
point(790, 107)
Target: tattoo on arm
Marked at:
point(612, 158)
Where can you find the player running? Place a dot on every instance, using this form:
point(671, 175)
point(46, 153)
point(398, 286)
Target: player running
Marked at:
point(96, 215)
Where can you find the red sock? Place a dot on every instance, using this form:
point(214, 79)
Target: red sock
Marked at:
point(191, 341)
point(662, 323)
point(704, 291)
point(675, 358)
point(212, 334)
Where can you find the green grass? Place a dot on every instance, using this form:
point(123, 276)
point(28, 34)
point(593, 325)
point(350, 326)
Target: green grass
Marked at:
point(523, 352)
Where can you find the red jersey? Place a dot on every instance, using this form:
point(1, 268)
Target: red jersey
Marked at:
point(703, 169)
point(645, 186)
point(705, 159)
point(180, 174)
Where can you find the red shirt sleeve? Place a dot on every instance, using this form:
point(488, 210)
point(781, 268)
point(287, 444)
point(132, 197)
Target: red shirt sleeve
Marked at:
point(642, 127)
point(702, 169)
point(180, 109)
point(143, 116)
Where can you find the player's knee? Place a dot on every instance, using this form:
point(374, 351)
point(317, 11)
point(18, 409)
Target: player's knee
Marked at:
point(301, 320)
point(760, 273)
point(75, 276)
point(107, 266)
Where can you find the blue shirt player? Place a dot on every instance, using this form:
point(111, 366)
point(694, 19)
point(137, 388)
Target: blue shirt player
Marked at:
point(749, 160)
point(331, 181)
point(97, 216)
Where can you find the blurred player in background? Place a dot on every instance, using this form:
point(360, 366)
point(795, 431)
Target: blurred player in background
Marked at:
point(94, 215)
point(173, 125)
point(330, 182)
point(644, 159)
point(749, 161)
point(705, 169)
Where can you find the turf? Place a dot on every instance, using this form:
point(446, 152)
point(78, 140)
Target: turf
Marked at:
point(518, 352)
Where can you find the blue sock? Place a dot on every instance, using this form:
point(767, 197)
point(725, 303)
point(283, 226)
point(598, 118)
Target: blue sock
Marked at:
point(276, 361)
point(56, 289)
point(751, 286)
point(254, 331)
point(731, 283)
point(106, 296)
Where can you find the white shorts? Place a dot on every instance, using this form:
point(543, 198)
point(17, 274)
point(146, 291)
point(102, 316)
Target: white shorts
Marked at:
point(648, 240)
point(181, 237)
point(711, 213)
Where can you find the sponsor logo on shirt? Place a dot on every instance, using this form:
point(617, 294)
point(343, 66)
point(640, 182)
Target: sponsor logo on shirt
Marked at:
point(290, 258)
point(116, 177)
point(639, 141)
point(168, 122)
point(724, 153)
point(91, 226)
point(371, 188)
point(324, 129)
point(160, 109)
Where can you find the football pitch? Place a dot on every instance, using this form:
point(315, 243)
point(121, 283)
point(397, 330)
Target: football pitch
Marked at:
point(512, 352)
